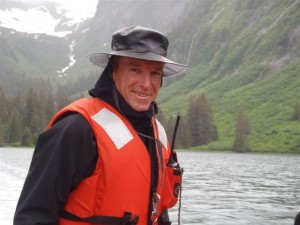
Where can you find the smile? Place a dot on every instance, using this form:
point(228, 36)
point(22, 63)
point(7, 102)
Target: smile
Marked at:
point(141, 94)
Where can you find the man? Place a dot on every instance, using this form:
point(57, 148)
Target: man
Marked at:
point(103, 160)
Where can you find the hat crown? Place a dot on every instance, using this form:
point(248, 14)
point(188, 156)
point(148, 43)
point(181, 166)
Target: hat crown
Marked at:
point(140, 40)
point(140, 43)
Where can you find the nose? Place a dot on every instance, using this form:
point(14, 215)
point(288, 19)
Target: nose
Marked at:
point(145, 80)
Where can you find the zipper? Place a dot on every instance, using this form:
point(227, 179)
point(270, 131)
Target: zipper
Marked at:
point(153, 183)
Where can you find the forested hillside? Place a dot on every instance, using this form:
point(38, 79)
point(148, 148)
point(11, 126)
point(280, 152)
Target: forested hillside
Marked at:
point(244, 69)
point(244, 55)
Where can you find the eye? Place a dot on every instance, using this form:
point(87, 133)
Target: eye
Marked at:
point(134, 69)
point(157, 74)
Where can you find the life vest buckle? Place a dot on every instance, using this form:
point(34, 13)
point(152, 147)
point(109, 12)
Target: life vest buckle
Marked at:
point(154, 214)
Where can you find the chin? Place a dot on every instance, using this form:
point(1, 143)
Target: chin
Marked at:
point(141, 109)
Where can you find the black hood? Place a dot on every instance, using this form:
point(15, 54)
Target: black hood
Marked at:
point(104, 84)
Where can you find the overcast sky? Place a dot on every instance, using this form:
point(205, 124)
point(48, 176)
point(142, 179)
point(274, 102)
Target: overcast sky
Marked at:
point(79, 7)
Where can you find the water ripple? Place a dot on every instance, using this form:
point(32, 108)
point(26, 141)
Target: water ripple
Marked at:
point(218, 188)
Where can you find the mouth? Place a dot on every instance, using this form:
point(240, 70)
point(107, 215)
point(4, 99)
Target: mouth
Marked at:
point(141, 95)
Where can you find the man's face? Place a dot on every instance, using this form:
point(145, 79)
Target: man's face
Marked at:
point(138, 81)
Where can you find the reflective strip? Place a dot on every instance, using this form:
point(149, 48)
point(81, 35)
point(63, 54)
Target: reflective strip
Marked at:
point(114, 127)
point(162, 134)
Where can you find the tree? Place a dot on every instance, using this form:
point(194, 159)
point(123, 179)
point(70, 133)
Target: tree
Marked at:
point(200, 122)
point(50, 107)
point(170, 124)
point(3, 106)
point(208, 131)
point(15, 127)
point(62, 101)
point(1, 135)
point(183, 134)
point(29, 108)
point(193, 122)
point(296, 114)
point(161, 117)
point(241, 133)
point(26, 137)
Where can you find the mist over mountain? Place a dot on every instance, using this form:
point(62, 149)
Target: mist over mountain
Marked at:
point(242, 55)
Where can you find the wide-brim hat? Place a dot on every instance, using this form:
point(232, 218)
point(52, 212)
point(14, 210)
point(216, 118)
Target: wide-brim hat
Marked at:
point(140, 43)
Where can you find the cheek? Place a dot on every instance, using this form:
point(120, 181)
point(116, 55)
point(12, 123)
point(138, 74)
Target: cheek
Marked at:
point(123, 85)
point(157, 85)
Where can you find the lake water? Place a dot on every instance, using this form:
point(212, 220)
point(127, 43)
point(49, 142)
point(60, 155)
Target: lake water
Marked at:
point(218, 188)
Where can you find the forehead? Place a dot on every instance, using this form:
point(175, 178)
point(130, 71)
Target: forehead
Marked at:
point(128, 61)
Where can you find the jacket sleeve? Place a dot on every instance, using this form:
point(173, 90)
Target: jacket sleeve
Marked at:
point(64, 155)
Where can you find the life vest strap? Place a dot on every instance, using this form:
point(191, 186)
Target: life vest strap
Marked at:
point(127, 219)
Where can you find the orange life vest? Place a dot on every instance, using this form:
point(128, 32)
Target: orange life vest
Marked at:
point(121, 180)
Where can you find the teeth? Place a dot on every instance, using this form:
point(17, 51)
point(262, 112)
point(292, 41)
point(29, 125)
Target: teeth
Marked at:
point(141, 95)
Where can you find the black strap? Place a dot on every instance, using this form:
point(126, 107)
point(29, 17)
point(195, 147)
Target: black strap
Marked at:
point(164, 218)
point(127, 219)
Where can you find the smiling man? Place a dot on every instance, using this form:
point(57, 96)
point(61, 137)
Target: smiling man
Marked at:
point(104, 159)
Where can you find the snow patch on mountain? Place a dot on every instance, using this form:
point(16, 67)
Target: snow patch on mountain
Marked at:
point(56, 18)
point(62, 72)
point(36, 20)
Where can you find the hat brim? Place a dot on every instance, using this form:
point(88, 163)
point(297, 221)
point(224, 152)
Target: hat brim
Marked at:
point(170, 67)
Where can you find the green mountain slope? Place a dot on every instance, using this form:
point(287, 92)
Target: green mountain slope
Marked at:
point(32, 54)
point(244, 54)
point(25, 58)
